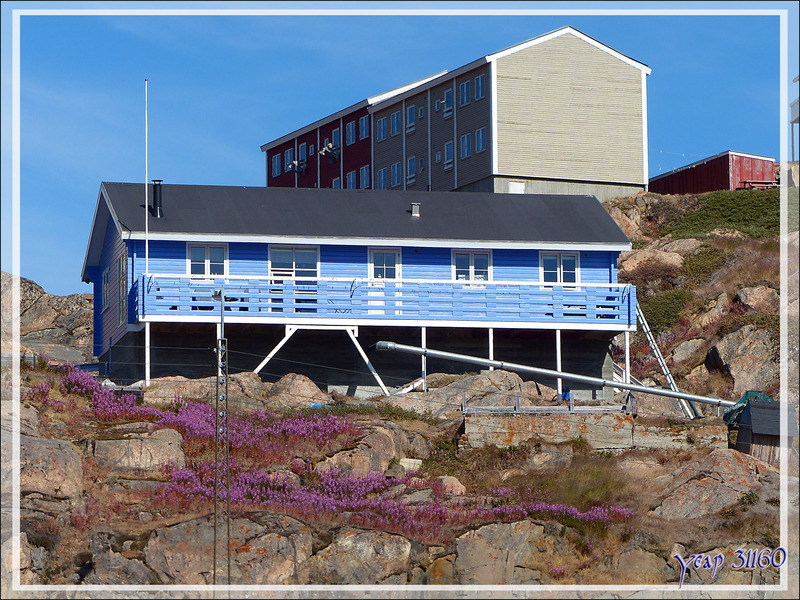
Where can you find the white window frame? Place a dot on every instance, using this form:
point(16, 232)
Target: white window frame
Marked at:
point(411, 113)
point(288, 157)
point(105, 289)
point(382, 180)
point(276, 164)
point(277, 277)
point(448, 162)
point(398, 267)
point(480, 87)
point(472, 253)
point(351, 182)
point(363, 177)
point(122, 287)
point(273, 275)
point(337, 138)
point(438, 157)
point(302, 153)
point(380, 129)
point(464, 93)
point(363, 127)
point(411, 169)
point(448, 103)
point(397, 174)
point(336, 184)
point(465, 146)
point(206, 274)
point(350, 133)
point(396, 123)
point(560, 256)
point(480, 140)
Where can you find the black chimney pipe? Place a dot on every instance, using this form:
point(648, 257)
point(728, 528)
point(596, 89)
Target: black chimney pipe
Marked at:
point(157, 209)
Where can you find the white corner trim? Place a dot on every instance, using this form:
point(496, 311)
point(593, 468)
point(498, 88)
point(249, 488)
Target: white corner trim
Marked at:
point(645, 157)
point(493, 100)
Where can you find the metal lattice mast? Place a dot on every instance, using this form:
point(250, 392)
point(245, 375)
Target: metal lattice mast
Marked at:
point(222, 506)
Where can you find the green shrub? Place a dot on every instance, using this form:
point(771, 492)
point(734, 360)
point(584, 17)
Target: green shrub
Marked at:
point(663, 310)
point(733, 321)
point(755, 213)
point(699, 267)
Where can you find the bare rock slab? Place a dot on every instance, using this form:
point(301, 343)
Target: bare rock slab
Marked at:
point(141, 450)
point(50, 467)
point(360, 557)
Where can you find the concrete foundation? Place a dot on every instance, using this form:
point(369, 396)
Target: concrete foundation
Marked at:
point(603, 432)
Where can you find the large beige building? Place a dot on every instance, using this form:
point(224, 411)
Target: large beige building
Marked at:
point(559, 114)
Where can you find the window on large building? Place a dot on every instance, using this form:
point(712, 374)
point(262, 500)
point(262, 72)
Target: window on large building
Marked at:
point(336, 183)
point(471, 266)
point(448, 155)
point(448, 103)
point(288, 157)
point(381, 129)
point(411, 113)
point(396, 122)
point(351, 180)
point(350, 133)
point(480, 87)
point(337, 139)
point(559, 267)
point(276, 164)
point(480, 140)
point(466, 145)
point(363, 175)
point(363, 127)
point(463, 94)
point(382, 183)
point(396, 174)
point(411, 172)
point(302, 152)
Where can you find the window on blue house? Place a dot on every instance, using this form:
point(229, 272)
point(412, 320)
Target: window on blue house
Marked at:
point(106, 290)
point(471, 266)
point(122, 288)
point(559, 267)
point(206, 260)
point(385, 264)
point(293, 272)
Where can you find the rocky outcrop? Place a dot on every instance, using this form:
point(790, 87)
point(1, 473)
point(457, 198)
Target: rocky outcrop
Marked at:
point(713, 311)
point(685, 350)
point(246, 391)
point(506, 553)
point(294, 391)
point(360, 557)
point(145, 451)
point(759, 298)
point(275, 551)
point(59, 327)
point(51, 468)
point(749, 355)
point(630, 261)
point(711, 486)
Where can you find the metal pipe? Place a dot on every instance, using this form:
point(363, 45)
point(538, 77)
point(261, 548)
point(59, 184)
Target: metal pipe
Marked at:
point(499, 364)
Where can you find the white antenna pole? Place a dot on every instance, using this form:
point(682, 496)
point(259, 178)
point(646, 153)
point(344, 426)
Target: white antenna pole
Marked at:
point(146, 198)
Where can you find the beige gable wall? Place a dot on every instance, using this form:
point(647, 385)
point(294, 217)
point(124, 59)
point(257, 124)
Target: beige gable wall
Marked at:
point(568, 110)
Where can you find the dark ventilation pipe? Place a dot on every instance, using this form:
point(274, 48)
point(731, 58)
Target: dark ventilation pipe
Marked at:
point(157, 209)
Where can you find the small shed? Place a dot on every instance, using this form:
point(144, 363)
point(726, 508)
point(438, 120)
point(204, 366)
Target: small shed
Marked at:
point(725, 171)
point(757, 419)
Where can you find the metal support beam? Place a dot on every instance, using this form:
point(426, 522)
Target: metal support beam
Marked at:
point(627, 375)
point(289, 332)
point(424, 360)
point(369, 364)
point(392, 346)
point(146, 354)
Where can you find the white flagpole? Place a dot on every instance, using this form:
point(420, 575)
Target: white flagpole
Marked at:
point(146, 196)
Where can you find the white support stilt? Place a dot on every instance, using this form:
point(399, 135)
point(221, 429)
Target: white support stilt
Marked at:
point(147, 354)
point(369, 364)
point(424, 360)
point(491, 346)
point(219, 335)
point(558, 361)
point(289, 332)
point(627, 378)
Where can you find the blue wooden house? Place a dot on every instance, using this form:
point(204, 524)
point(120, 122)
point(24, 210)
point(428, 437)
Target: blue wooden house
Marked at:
point(312, 278)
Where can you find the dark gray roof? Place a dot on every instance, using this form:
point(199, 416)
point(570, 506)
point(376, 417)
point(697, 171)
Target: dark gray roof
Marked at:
point(327, 213)
point(766, 418)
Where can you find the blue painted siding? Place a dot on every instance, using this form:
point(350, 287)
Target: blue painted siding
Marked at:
point(110, 329)
point(596, 267)
point(344, 261)
point(427, 263)
point(515, 265)
point(246, 259)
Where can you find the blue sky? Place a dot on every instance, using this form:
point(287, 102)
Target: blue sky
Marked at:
point(220, 86)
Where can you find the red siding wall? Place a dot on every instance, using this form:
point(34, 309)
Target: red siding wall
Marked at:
point(726, 172)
